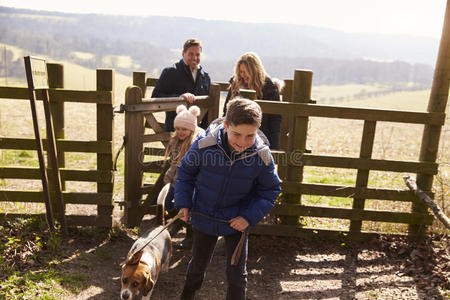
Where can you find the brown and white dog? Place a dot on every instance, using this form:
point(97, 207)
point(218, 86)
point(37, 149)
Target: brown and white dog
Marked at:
point(141, 271)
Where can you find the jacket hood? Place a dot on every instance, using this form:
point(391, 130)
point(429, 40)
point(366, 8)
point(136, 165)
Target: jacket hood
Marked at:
point(213, 136)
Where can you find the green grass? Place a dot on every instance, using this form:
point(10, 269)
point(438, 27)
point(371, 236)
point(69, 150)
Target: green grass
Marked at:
point(23, 158)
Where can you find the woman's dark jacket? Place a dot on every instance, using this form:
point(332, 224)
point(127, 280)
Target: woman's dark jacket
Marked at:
point(177, 80)
point(271, 123)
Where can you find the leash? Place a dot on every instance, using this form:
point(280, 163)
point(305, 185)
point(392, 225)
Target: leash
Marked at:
point(238, 250)
point(154, 237)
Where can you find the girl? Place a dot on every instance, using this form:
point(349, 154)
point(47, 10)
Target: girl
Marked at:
point(186, 131)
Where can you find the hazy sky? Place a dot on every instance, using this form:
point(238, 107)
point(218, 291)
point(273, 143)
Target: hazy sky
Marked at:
point(413, 17)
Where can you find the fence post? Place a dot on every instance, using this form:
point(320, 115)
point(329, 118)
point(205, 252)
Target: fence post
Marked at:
point(213, 110)
point(134, 130)
point(56, 81)
point(140, 80)
point(105, 132)
point(362, 176)
point(284, 134)
point(301, 93)
point(431, 133)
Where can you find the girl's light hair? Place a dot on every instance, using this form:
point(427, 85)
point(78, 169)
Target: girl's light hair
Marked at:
point(184, 147)
point(255, 71)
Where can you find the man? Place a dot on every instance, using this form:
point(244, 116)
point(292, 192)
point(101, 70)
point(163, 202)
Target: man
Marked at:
point(186, 79)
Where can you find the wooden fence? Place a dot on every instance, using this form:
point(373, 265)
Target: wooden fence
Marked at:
point(103, 175)
point(296, 109)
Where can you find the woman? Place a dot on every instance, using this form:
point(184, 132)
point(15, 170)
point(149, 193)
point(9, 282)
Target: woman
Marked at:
point(250, 74)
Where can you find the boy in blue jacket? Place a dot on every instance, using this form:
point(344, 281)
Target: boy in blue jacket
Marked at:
point(226, 183)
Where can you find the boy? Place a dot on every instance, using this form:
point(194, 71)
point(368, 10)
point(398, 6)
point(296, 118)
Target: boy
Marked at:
point(227, 183)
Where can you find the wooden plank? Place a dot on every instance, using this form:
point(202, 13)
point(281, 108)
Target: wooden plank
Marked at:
point(352, 214)
point(139, 80)
point(21, 196)
point(96, 97)
point(101, 176)
point(64, 145)
point(68, 197)
point(151, 81)
point(154, 151)
point(20, 173)
point(101, 146)
point(18, 93)
point(156, 137)
point(362, 177)
point(352, 113)
point(369, 164)
point(223, 85)
point(163, 104)
point(214, 96)
point(301, 93)
point(59, 95)
point(134, 130)
point(348, 191)
point(105, 132)
point(153, 166)
point(88, 198)
point(56, 80)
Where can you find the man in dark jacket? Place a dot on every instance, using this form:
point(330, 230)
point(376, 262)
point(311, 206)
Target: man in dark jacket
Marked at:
point(186, 79)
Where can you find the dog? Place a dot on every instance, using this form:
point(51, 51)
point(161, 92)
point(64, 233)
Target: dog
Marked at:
point(141, 270)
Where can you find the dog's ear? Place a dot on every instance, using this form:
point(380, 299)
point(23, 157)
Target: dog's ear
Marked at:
point(134, 259)
point(149, 283)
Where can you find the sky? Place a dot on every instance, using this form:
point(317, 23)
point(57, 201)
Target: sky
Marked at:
point(412, 17)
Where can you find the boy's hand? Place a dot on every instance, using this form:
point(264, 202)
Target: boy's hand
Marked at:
point(239, 223)
point(184, 214)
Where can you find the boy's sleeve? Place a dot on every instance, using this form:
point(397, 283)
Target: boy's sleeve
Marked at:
point(186, 176)
point(266, 192)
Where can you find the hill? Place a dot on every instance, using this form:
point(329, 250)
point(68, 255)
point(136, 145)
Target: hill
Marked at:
point(150, 43)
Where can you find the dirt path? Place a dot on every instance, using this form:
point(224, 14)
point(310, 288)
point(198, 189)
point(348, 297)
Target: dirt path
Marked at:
point(287, 268)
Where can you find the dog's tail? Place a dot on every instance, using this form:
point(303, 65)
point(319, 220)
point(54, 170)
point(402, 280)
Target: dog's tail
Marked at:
point(161, 204)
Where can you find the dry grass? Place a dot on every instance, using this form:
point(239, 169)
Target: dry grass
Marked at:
point(326, 136)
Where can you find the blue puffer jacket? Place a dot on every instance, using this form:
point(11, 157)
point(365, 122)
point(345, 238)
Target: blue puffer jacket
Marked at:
point(211, 183)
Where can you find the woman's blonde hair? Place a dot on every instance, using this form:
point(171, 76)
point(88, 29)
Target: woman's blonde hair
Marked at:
point(184, 147)
point(255, 71)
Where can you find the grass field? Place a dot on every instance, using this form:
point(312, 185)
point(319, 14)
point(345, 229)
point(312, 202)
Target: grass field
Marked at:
point(325, 137)
point(47, 267)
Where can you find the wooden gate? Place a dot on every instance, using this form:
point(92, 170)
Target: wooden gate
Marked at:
point(142, 127)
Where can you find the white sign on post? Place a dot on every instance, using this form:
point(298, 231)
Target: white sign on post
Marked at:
point(39, 73)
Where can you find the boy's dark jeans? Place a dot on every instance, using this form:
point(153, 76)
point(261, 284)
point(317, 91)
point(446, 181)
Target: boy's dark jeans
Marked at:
point(202, 253)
